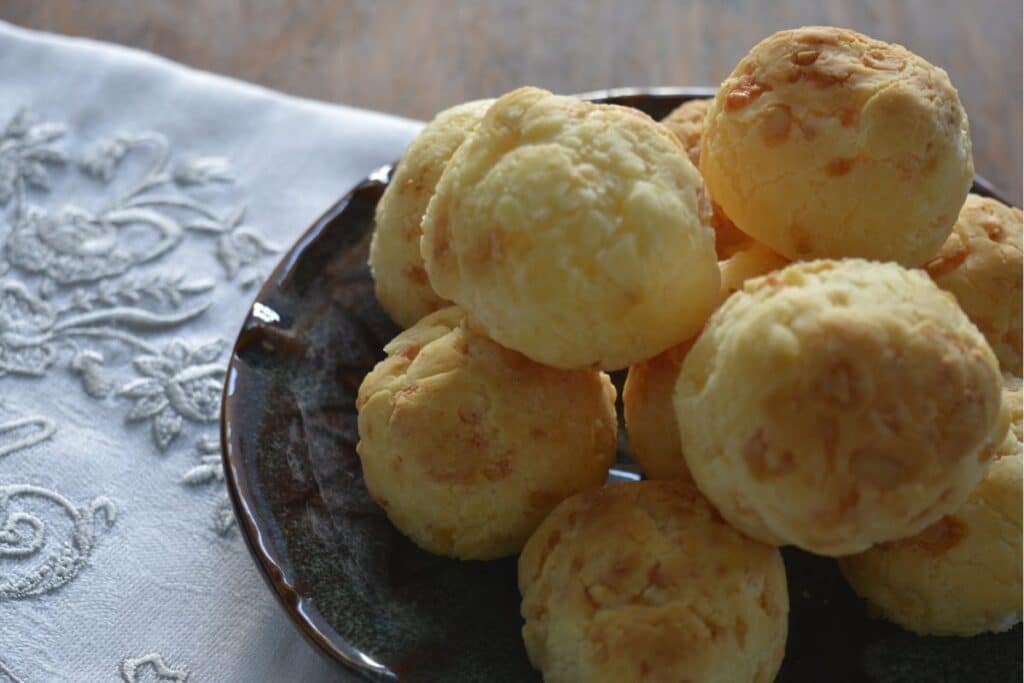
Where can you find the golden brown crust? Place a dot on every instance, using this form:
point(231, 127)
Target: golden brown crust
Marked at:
point(467, 445)
point(962, 575)
point(645, 582)
point(570, 232)
point(826, 143)
point(401, 282)
point(837, 404)
point(981, 264)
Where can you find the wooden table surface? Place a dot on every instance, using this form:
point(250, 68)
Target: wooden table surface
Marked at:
point(414, 58)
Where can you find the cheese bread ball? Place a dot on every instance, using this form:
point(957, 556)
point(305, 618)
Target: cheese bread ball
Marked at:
point(651, 417)
point(833, 405)
point(645, 581)
point(750, 259)
point(826, 143)
point(962, 575)
point(647, 393)
point(981, 265)
point(1014, 442)
point(401, 282)
point(570, 232)
point(687, 122)
point(728, 238)
point(467, 445)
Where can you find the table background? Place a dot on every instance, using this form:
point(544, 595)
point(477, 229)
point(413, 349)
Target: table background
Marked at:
point(415, 58)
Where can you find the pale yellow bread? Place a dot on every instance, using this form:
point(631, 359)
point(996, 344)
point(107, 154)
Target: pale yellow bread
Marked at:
point(962, 575)
point(687, 122)
point(728, 238)
point(824, 143)
point(981, 265)
point(467, 445)
point(645, 582)
point(1014, 443)
point(833, 405)
point(401, 282)
point(570, 232)
point(647, 393)
point(650, 416)
point(748, 260)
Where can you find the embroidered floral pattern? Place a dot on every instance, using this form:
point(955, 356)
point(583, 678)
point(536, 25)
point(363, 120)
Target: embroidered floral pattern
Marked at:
point(201, 170)
point(81, 288)
point(75, 245)
point(131, 669)
point(182, 382)
point(30, 327)
point(25, 151)
point(18, 433)
point(210, 470)
point(23, 535)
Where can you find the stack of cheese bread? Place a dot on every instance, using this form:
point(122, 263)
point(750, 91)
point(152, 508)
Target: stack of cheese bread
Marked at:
point(823, 335)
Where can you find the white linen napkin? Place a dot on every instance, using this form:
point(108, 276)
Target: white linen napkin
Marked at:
point(141, 203)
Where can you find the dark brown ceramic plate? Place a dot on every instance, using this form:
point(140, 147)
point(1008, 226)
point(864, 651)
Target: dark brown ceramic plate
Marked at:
point(371, 600)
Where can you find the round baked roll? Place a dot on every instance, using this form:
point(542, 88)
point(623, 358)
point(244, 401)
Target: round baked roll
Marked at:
point(833, 405)
point(400, 279)
point(647, 393)
point(981, 265)
point(728, 238)
point(644, 581)
point(650, 416)
point(962, 575)
point(467, 445)
point(1012, 445)
point(824, 143)
point(749, 260)
point(687, 122)
point(570, 232)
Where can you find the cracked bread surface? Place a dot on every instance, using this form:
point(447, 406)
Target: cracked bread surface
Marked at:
point(825, 143)
point(644, 581)
point(467, 445)
point(981, 264)
point(962, 575)
point(570, 231)
point(833, 405)
point(400, 280)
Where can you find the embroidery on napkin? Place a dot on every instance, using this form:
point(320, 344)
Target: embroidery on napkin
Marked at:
point(209, 470)
point(90, 286)
point(20, 432)
point(23, 536)
point(8, 675)
point(183, 381)
point(131, 669)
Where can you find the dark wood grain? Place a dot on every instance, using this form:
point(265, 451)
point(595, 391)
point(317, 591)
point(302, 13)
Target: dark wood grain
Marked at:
point(416, 58)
